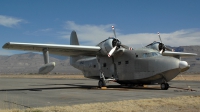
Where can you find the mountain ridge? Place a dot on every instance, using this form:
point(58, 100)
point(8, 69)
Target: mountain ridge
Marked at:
point(29, 63)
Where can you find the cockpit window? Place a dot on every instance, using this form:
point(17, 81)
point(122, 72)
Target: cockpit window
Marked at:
point(151, 54)
point(155, 53)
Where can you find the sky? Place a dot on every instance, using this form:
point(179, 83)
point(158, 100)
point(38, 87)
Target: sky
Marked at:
point(136, 21)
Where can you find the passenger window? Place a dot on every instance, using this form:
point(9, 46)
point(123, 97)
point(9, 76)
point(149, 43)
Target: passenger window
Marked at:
point(119, 63)
point(126, 62)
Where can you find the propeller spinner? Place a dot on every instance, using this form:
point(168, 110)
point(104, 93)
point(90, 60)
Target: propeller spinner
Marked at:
point(161, 46)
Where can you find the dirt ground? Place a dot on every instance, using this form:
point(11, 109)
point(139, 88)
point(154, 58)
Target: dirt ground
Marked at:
point(175, 104)
point(45, 76)
point(188, 77)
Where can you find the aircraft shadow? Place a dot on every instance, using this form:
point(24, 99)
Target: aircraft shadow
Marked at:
point(79, 86)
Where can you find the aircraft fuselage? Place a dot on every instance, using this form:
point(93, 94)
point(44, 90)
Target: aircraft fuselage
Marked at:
point(137, 66)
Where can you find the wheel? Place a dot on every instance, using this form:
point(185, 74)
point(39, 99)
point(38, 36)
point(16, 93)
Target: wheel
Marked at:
point(167, 86)
point(164, 86)
point(101, 83)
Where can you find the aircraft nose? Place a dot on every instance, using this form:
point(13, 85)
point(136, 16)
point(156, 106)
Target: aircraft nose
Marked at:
point(183, 65)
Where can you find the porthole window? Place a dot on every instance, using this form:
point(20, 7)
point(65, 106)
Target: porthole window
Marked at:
point(104, 64)
point(126, 62)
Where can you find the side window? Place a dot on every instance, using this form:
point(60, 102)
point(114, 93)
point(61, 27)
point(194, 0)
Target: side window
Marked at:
point(144, 55)
point(148, 54)
point(126, 62)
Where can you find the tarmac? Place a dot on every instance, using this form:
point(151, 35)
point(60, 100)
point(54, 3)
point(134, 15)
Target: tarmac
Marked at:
point(25, 93)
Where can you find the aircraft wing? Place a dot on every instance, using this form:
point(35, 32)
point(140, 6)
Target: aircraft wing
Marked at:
point(66, 50)
point(178, 54)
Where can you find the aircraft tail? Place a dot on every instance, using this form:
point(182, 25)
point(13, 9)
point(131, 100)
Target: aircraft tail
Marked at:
point(74, 41)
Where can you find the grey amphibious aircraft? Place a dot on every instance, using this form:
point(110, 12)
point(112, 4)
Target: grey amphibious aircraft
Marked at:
point(110, 60)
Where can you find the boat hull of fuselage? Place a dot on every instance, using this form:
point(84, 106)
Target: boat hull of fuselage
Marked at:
point(131, 69)
point(155, 79)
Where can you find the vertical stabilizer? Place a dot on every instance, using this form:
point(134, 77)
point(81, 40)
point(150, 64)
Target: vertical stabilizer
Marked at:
point(74, 38)
point(74, 41)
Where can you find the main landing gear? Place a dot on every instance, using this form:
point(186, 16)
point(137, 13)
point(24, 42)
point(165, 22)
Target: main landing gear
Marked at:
point(164, 86)
point(103, 81)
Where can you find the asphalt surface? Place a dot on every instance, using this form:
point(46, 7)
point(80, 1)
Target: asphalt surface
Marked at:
point(25, 93)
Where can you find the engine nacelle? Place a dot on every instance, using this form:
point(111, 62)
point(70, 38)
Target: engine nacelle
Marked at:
point(156, 46)
point(108, 44)
point(47, 68)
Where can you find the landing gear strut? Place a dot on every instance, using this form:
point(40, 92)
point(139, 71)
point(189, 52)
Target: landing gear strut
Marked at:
point(102, 80)
point(101, 83)
point(164, 86)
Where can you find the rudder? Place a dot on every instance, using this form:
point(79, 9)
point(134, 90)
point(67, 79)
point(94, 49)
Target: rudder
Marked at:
point(74, 38)
point(74, 41)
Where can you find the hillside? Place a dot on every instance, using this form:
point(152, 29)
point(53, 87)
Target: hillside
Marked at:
point(31, 62)
point(193, 61)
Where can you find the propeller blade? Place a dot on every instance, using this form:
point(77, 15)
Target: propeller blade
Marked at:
point(112, 51)
point(126, 47)
point(169, 49)
point(161, 51)
point(113, 29)
point(159, 37)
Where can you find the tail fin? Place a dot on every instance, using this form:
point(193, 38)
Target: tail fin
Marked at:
point(74, 38)
point(74, 41)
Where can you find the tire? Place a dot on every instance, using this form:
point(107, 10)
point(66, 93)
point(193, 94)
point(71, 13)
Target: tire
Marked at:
point(167, 86)
point(164, 86)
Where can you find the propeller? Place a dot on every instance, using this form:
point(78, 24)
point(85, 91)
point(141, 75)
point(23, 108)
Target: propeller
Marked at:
point(161, 46)
point(113, 29)
point(112, 51)
point(116, 44)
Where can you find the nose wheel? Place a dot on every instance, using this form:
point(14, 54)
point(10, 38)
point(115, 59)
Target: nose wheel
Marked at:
point(164, 86)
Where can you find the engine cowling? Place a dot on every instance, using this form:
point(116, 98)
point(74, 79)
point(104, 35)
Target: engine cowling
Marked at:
point(157, 46)
point(109, 44)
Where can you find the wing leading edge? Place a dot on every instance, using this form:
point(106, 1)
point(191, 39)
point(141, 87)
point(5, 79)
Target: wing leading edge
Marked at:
point(66, 50)
point(178, 54)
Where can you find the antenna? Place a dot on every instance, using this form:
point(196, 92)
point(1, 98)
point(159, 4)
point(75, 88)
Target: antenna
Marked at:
point(113, 29)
